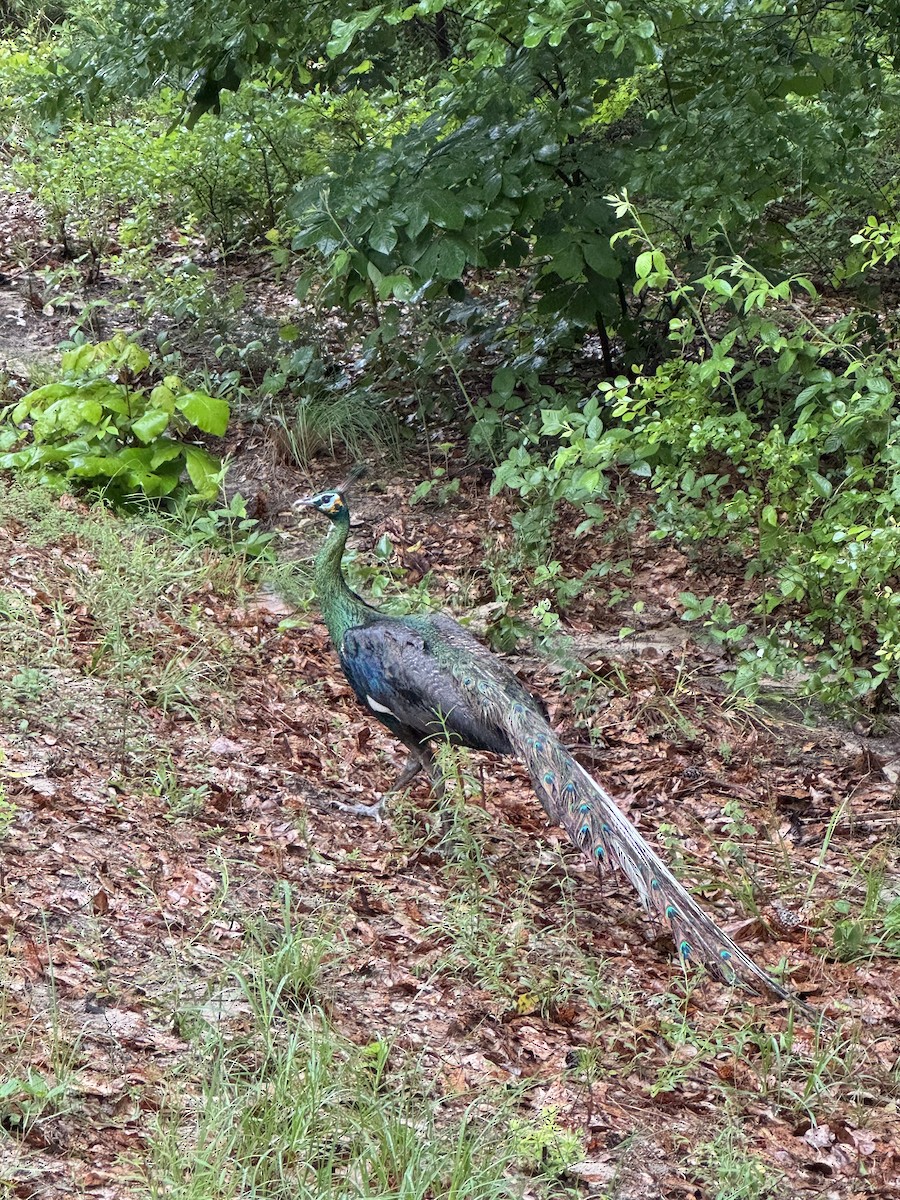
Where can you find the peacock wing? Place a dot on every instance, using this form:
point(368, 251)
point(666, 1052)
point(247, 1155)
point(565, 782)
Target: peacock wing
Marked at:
point(404, 673)
point(472, 653)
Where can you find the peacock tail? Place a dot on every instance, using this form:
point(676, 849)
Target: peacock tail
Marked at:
point(593, 821)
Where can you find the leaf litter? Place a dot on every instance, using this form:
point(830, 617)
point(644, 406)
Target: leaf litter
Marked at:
point(146, 838)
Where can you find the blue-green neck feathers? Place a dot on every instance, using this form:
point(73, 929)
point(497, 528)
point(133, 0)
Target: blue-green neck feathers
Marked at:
point(341, 608)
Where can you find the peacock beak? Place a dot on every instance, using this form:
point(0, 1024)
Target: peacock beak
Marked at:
point(305, 502)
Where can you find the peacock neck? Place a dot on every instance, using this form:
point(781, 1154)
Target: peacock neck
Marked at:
point(341, 608)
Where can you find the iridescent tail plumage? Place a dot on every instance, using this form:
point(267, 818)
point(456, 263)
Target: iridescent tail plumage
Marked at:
point(593, 821)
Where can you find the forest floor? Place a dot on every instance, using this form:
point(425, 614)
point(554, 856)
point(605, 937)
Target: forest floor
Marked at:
point(172, 739)
point(183, 904)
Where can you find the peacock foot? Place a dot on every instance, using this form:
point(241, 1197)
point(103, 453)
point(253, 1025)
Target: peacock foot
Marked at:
point(373, 811)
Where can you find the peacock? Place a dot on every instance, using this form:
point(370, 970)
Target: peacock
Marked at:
point(428, 679)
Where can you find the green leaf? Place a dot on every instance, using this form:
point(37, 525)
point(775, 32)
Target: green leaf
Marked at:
point(140, 472)
point(503, 383)
point(204, 470)
point(300, 360)
point(821, 486)
point(209, 413)
point(114, 397)
point(394, 285)
point(445, 258)
point(569, 262)
point(78, 360)
point(382, 235)
point(554, 421)
point(444, 209)
point(548, 153)
point(401, 287)
point(132, 356)
point(97, 466)
point(164, 398)
point(451, 259)
point(69, 413)
point(164, 450)
point(416, 219)
point(643, 264)
point(150, 425)
point(36, 401)
point(343, 32)
point(803, 85)
point(22, 411)
point(600, 257)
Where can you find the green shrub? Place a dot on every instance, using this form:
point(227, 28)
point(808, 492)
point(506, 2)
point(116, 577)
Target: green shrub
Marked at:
point(774, 436)
point(101, 426)
point(238, 170)
point(100, 185)
point(110, 189)
point(25, 69)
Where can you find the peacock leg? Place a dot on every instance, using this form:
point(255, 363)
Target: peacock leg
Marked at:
point(362, 810)
point(420, 759)
point(438, 782)
point(414, 765)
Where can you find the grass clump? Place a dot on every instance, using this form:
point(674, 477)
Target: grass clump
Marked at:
point(286, 1106)
point(731, 1171)
point(115, 621)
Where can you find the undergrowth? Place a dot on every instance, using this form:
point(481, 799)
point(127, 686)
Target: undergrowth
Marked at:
point(119, 626)
point(757, 424)
point(288, 1107)
point(772, 435)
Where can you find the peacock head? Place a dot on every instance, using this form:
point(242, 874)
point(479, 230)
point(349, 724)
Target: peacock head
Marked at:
point(332, 504)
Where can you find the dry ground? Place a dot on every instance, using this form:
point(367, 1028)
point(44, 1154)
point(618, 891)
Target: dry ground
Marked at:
point(172, 737)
